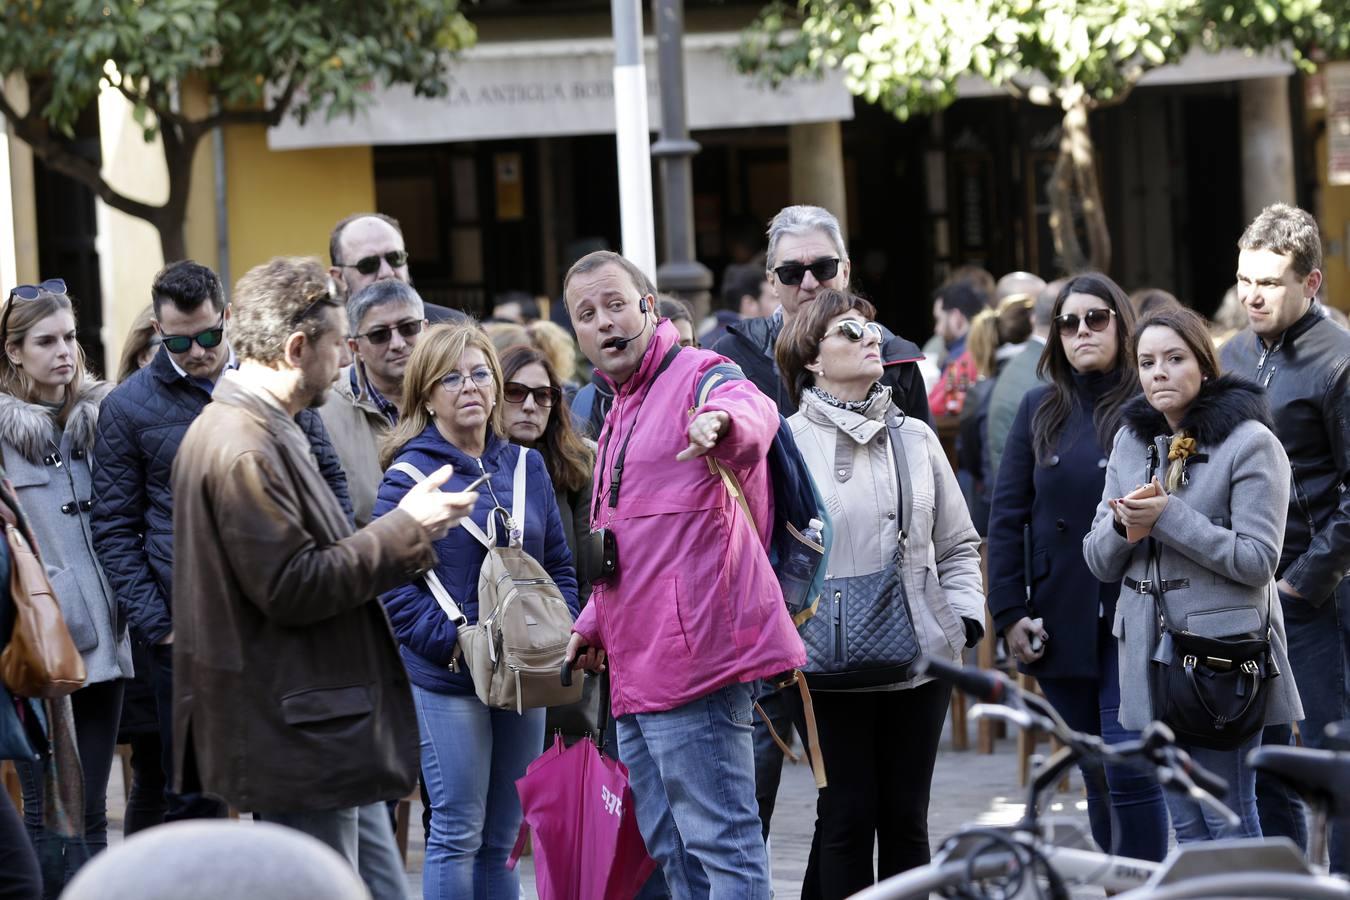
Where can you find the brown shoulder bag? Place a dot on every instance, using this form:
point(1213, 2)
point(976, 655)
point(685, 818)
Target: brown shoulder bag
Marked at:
point(40, 659)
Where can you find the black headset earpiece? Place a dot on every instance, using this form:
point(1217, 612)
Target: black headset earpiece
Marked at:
point(642, 305)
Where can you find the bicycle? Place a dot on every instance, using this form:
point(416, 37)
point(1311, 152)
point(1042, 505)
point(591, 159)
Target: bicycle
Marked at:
point(1038, 858)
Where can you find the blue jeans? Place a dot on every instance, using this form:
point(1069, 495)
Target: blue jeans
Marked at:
point(1318, 648)
point(471, 758)
point(1125, 806)
point(692, 770)
point(1194, 822)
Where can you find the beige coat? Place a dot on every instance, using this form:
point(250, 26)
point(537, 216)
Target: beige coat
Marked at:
point(356, 427)
point(849, 456)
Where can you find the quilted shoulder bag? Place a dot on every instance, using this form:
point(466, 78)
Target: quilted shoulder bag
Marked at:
point(863, 633)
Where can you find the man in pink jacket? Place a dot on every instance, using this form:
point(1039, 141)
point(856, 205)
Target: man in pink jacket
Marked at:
point(691, 615)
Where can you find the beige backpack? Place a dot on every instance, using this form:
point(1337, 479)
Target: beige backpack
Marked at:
point(515, 651)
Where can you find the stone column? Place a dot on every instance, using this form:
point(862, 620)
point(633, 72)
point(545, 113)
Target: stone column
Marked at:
point(1267, 145)
point(816, 167)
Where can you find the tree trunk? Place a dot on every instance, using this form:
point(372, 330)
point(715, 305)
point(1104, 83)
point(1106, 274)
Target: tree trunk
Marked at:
point(1075, 196)
point(172, 242)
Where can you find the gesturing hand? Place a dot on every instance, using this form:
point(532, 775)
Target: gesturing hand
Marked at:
point(705, 431)
point(436, 511)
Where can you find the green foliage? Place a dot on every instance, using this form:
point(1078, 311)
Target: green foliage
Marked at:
point(908, 55)
point(329, 52)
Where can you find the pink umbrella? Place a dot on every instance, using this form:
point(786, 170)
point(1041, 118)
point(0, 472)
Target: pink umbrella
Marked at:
point(586, 840)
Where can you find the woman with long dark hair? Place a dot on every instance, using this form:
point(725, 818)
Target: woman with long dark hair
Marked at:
point(49, 409)
point(1055, 615)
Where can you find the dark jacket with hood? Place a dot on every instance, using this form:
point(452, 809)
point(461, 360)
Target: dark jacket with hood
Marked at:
point(140, 426)
point(1306, 374)
point(1218, 538)
point(1038, 515)
point(749, 343)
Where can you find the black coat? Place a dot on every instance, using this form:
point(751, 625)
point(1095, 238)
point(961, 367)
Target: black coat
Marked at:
point(749, 344)
point(1052, 506)
point(140, 425)
point(1306, 375)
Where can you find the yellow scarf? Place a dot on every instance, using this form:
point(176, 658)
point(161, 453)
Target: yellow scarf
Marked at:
point(1181, 447)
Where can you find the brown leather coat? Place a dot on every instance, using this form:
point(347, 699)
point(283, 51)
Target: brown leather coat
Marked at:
point(288, 690)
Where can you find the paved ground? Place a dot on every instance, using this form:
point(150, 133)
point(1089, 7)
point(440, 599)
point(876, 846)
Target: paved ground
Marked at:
point(967, 786)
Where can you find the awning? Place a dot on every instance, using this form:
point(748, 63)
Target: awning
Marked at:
point(551, 88)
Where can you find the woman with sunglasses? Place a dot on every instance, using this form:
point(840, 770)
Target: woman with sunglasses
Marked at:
point(879, 742)
point(453, 414)
point(1055, 615)
point(49, 408)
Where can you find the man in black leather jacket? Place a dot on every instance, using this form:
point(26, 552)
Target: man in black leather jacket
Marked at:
point(1302, 359)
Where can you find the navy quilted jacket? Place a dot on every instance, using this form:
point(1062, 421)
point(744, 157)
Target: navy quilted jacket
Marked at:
point(140, 426)
point(426, 636)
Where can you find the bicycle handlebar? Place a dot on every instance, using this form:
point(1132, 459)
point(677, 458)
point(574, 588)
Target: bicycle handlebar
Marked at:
point(984, 685)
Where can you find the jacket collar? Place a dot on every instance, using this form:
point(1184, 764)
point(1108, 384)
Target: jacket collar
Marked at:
point(1310, 318)
point(362, 399)
point(30, 427)
point(1223, 404)
point(664, 336)
point(760, 332)
point(861, 426)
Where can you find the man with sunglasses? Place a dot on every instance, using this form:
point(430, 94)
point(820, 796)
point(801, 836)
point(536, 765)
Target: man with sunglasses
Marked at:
point(387, 317)
point(806, 255)
point(368, 247)
point(140, 426)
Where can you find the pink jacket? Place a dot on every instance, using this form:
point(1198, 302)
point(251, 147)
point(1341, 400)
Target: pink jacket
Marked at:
point(695, 605)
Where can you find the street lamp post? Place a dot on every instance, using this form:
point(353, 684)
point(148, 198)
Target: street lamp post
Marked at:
point(680, 274)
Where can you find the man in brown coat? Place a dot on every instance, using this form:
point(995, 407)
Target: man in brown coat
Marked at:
point(289, 697)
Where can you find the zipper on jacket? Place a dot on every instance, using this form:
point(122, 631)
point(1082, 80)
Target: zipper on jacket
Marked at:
point(1267, 353)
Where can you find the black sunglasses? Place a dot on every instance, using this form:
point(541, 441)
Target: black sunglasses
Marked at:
point(822, 270)
point(369, 265)
point(53, 286)
point(1096, 319)
point(182, 343)
point(543, 396)
point(385, 333)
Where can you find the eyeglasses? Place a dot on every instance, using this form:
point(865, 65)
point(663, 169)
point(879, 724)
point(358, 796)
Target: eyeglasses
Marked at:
point(1096, 319)
point(855, 331)
point(385, 333)
point(53, 286)
point(369, 265)
point(543, 396)
point(455, 381)
point(182, 343)
point(822, 270)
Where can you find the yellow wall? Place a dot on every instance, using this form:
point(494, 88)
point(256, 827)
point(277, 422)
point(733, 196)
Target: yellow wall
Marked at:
point(284, 203)
point(1333, 215)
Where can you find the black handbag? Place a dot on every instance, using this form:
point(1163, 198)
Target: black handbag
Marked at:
point(1211, 691)
point(862, 634)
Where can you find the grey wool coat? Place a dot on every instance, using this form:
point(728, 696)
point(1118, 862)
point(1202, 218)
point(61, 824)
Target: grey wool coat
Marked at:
point(1221, 531)
point(49, 468)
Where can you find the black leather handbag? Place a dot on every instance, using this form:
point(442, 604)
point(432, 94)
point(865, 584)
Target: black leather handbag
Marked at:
point(1212, 691)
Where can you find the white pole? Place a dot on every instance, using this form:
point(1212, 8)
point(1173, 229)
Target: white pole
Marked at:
point(631, 127)
point(9, 267)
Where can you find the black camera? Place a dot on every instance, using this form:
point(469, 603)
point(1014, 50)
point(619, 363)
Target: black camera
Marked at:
point(602, 552)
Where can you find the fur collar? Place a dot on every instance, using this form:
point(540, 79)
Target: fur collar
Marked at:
point(1224, 403)
point(29, 427)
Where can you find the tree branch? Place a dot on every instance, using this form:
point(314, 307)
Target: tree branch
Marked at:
point(269, 117)
point(60, 158)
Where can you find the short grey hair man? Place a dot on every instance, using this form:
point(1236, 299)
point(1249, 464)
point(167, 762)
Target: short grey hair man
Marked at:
point(381, 293)
point(803, 220)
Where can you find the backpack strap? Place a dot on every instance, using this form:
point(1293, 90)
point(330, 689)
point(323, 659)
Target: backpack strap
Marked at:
point(443, 598)
point(487, 540)
point(904, 482)
point(518, 492)
point(709, 380)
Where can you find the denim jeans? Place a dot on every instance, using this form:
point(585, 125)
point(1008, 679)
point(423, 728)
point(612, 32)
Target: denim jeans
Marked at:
point(335, 827)
point(1318, 649)
point(777, 705)
point(692, 770)
point(377, 856)
point(1194, 822)
point(471, 758)
point(97, 709)
point(1125, 806)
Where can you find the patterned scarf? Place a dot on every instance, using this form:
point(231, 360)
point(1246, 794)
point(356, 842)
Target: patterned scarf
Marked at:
point(856, 406)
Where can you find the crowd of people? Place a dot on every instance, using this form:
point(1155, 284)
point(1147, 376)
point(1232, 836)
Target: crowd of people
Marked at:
point(253, 534)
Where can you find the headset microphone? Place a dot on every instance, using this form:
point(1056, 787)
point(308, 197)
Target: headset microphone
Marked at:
point(621, 343)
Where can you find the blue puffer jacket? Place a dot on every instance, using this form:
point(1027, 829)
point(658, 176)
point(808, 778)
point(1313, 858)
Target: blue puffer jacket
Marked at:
point(140, 426)
point(426, 636)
